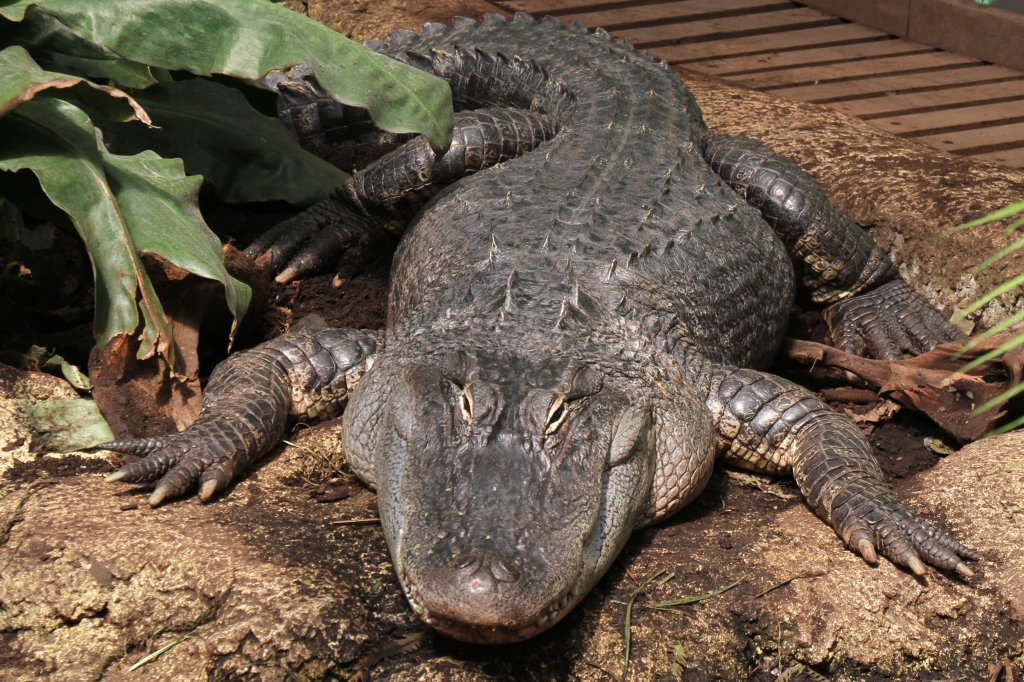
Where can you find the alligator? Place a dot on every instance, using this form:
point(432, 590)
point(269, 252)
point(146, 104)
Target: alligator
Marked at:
point(579, 321)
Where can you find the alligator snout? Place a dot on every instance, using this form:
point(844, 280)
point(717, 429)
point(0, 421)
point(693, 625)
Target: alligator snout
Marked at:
point(485, 595)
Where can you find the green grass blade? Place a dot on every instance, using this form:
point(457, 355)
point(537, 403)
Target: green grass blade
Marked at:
point(1004, 212)
point(1010, 426)
point(684, 601)
point(1013, 227)
point(974, 341)
point(152, 656)
point(1008, 345)
point(998, 256)
point(1003, 288)
point(1005, 396)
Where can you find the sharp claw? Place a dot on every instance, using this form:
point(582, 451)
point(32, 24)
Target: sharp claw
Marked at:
point(963, 570)
point(917, 566)
point(287, 275)
point(207, 490)
point(158, 495)
point(118, 475)
point(867, 550)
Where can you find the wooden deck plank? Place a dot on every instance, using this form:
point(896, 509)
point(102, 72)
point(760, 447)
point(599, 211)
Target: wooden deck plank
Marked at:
point(770, 42)
point(829, 92)
point(663, 33)
point(888, 105)
point(1010, 134)
point(665, 11)
point(729, 66)
point(540, 7)
point(1014, 158)
point(949, 101)
point(855, 69)
point(915, 125)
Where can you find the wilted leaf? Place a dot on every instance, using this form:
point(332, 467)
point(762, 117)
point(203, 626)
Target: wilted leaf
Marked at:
point(938, 446)
point(66, 424)
point(120, 205)
point(21, 79)
point(246, 155)
point(247, 39)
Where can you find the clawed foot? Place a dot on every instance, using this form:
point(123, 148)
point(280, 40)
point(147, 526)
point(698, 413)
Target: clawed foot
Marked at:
point(871, 524)
point(328, 235)
point(887, 322)
point(181, 462)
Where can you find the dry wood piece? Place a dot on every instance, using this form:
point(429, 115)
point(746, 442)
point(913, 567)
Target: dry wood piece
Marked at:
point(930, 383)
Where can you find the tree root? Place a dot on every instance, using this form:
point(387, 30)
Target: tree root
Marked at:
point(931, 383)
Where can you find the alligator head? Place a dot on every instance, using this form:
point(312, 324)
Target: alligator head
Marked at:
point(506, 487)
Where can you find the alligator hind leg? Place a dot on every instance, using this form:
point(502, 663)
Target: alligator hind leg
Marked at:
point(771, 425)
point(369, 212)
point(306, 375)
point(873, 310)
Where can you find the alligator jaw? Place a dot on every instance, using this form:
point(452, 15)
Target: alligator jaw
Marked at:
point(484, 633)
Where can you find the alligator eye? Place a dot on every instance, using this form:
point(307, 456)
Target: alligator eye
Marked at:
point(466, 404)
point(556, 415)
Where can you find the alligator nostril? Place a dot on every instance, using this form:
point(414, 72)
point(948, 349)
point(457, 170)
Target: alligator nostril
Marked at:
point(503, 571)
point(484, 567)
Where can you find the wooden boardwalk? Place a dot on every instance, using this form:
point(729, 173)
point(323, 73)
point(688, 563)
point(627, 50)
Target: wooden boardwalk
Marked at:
point(946, 100)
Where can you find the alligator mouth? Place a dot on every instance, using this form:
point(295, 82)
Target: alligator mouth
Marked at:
point(486, 634)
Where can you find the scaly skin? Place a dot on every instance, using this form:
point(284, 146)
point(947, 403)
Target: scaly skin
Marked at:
point(573, 334)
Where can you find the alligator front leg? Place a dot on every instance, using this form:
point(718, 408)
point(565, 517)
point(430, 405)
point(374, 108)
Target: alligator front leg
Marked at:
point(768, 424)
point(305, 375)
point(873, 310)
point(369, 212)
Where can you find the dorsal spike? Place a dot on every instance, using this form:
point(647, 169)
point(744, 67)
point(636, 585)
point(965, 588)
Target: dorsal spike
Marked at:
point(402, 37)
point(433, 28)
point(563, 313)
point(419, 60)
point(510, 285)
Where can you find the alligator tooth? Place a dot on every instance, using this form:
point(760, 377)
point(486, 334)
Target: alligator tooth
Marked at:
point(611, 269)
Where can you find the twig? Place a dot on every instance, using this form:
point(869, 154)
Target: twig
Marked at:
point(356, 522)
point(786, 581)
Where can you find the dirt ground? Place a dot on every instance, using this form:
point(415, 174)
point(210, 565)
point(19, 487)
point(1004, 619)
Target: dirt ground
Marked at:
point(262, 585)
